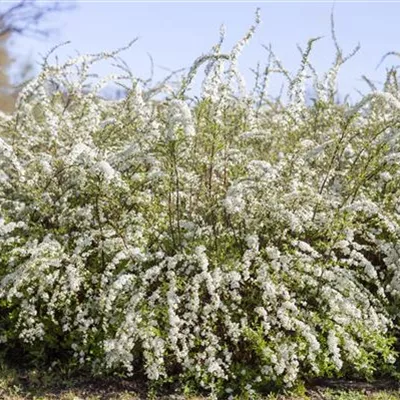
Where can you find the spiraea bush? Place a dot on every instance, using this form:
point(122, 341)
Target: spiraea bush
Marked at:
point(226, 241)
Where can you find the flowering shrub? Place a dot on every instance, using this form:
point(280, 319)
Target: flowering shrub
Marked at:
point(229, 240)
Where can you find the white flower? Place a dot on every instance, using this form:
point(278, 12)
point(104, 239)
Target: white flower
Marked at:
point(106, 170)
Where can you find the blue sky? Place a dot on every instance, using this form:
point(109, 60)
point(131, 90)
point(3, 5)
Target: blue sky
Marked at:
point(176, 33)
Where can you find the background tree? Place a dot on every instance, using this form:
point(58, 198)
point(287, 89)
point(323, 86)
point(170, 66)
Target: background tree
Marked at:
point(26, 18)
